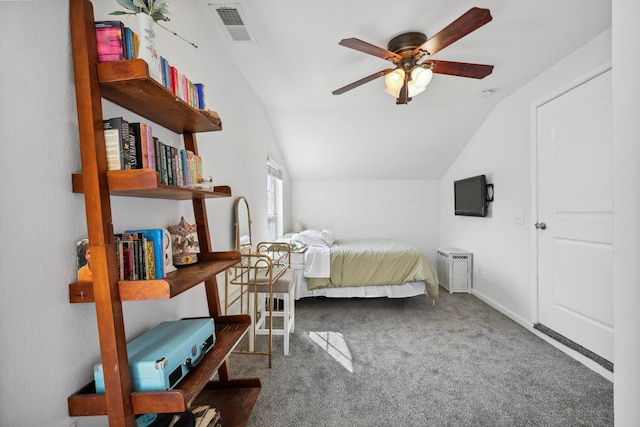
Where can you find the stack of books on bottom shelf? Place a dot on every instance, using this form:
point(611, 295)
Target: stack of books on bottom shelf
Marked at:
point(206, 416)
point(199, 416)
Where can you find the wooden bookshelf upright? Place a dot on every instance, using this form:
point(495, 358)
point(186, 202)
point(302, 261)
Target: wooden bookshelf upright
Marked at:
point(127, 83)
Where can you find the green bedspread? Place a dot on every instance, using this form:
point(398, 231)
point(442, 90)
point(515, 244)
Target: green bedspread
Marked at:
point(377, 262)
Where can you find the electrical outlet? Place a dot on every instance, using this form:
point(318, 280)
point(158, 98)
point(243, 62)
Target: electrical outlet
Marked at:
point(519, 218)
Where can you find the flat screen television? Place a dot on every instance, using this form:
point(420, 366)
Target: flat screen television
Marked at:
point(470, 196)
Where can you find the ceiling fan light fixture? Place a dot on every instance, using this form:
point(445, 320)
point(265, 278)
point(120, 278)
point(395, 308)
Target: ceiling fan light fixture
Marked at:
point(421, 77)
point(414, 89)
point(395, 79)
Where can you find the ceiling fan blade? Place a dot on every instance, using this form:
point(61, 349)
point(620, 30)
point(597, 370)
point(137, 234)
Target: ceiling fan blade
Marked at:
point(473, 19)
point(370, 49)
point(362, 81)
point(460, 69)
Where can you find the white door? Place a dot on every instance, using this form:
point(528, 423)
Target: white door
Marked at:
point(575, 202)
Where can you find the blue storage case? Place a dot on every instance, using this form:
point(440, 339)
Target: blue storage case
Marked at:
point(162, 356)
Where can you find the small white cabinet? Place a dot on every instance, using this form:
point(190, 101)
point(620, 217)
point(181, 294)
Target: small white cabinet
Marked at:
point(454, 268)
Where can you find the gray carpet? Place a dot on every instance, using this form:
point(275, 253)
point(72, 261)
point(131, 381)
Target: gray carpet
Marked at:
point(382, 362)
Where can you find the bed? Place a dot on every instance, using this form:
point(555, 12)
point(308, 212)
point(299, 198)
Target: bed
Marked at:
point(361, 268)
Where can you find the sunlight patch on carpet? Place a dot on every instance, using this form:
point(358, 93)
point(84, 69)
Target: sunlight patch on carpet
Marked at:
point(335, 346)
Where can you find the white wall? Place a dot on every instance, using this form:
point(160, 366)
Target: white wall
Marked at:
point(501, 149)
point(49, 346)
point(404, 210)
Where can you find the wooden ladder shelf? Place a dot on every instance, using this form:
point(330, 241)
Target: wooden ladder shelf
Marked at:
point(127, 83)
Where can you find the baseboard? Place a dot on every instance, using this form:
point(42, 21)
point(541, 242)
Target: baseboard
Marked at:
point(594, 366)
point(502, 309)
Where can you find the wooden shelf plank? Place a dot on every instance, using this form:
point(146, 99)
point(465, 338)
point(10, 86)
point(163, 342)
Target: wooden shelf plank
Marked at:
point(145, 183)
point(127, 83)
point(181, 280)
point(229, 331)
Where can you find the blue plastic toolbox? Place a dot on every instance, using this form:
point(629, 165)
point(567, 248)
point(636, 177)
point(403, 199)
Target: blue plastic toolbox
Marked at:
point(162, 356)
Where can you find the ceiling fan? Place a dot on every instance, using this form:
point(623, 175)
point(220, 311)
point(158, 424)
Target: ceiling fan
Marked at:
point(411, 53)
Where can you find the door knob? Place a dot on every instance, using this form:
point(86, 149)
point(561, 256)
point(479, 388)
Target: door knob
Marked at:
point(540, 225)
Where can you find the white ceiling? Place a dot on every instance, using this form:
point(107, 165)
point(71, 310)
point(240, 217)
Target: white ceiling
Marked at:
point(295, 63)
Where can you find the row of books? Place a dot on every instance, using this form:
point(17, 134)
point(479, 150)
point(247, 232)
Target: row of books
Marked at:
point(136, 256)
point(199, 416)
point(116, 42)
point(179, 84)
point(141, 255)
point(133, 146)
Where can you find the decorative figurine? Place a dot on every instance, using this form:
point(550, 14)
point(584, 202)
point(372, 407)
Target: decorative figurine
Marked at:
point(185, 243)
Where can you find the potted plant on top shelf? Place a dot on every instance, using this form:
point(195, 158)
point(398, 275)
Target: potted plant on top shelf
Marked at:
point(156, 9)
point(148, 13)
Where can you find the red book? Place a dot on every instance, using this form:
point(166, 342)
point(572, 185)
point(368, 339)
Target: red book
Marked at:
point(110, 40)
point(174, 79)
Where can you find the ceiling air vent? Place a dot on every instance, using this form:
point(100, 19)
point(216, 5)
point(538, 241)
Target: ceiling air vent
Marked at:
point(232, 17)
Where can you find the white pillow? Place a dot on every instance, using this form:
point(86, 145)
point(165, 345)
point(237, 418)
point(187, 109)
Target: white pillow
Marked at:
point(310, 238)
point(327, 236)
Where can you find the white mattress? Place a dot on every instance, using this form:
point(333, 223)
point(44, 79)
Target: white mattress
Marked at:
point(390, 291)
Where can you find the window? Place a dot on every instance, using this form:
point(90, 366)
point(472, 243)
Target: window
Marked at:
point(274, 201)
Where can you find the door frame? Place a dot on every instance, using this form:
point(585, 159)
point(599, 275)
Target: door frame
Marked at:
point(535, 303)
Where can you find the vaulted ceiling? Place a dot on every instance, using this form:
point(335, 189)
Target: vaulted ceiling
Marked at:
point(294, 62)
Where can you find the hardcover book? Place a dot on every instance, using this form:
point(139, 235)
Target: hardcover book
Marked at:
point(127, 252)
point(131, 43)
point(150, 260)
point(113, 140)
point(139, 134)
point(151, 147)
point(200, 96)
point(156, 152)
point(130, 159)
point(170, 164)
point(161, 161)
point(179, 167)
point(173, 75)
point(110, 40)
point(184, 156)
point(166, 75)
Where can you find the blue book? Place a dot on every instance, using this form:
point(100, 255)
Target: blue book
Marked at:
point(156, 235)
point(166, 75)
point(129, 44)
point(200, 95)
